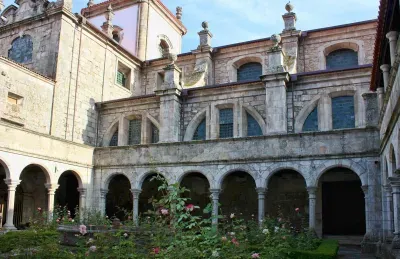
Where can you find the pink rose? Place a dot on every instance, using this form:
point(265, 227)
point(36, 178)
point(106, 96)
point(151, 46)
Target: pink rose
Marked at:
point(156, 250)
point(82, 230)
point(297, 209)
point(189, 207)
point(164, 211)
point(235, 242)
point(255, 255)
point(39, 209)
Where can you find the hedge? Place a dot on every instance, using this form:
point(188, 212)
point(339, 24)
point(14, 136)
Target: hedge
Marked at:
point(328, 249)
point(26, 239)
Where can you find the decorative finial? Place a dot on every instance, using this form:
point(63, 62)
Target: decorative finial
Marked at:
point(289, 7)
point(276, 39)
point(90, 3)
point(204, 25)
point(109, 14)
point(178, 12)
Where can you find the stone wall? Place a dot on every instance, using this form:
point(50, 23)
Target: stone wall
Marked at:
point(30, 96)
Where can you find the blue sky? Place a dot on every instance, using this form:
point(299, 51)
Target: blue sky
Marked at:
point(233, 21)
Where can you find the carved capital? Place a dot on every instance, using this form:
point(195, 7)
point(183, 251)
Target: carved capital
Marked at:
point(12, 184)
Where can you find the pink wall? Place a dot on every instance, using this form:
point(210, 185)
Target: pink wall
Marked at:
point(126, 19)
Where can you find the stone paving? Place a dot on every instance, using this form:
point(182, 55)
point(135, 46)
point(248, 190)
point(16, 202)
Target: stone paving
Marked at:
point(353, 252)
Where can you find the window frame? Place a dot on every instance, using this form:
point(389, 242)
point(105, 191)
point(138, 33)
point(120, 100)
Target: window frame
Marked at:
point(127, 72)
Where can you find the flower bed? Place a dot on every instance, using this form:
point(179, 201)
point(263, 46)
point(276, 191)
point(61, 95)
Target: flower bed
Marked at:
point(328, 249)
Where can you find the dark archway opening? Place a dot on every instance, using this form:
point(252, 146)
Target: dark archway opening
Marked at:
point(199, 188)
point(3, 195)
point(343, 203)
point(119, 202)
point(239, 196)
point(286, 192)
point(67, 194)
point(31, 194)
point(149, 194)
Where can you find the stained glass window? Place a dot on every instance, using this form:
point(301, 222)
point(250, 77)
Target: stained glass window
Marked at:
point(343, 112)
point(114, 139)
point(342, 58)
point(200, 133)
point(226, 123)
point(311, 123)
point(253, 128)
point(249, 71)
point(135, 132)
point(154, 134)
point(21, 49)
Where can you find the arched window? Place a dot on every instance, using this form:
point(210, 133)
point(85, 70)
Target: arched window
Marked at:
point(342, 58)
point(114, 139)
point(154, 134)
point(343, 112)
point(200, 133)
point(164, 48)
point(249, 71)
point(311, 123)
point(253, 128)
point(135, 132)
point(21, 49)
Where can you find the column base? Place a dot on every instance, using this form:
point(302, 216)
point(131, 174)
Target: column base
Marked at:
point(396, 241)
point(9, 227)
point(370, 243)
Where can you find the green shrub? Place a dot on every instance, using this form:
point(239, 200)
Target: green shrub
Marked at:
point(327, 250)
point(26, 239)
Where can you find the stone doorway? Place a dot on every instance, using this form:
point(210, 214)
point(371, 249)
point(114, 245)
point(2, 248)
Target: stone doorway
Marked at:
point(342, 203)
point(119, 202)
point(67, 194)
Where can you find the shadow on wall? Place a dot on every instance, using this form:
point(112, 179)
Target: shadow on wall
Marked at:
point(89, 133)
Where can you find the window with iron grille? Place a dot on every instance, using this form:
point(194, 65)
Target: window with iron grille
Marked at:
point(311, 123)
point(154, 134)
point(226, 123)
point(200, 133)
point(249, 71)
point(114, 139)
point(343, 112)
point(121, 79)
point(342, 58)
point(253, 128)
point(135, 132)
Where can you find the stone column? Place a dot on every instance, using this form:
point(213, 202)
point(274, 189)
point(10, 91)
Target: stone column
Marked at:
point(389, 217)
point(12, 187)
point(143, 28)
point(380, 93)
point(261, 204)
point(385, 71)
point(395, 183)
point(325, 113)
point(371, 109)
point(215, 201)
point(51, 188)
point(312, 197)
point(367, 225)
point(135, 195)
point(170, 105)
point(392, 37)
point(82, 202)
point(103, 196)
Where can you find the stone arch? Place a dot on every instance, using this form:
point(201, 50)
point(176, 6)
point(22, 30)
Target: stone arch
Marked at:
point(44, 169)
point(236, 169)
point(304, 112)
point(356, 168)
point(194, 123)
point(198, 185)
point(67, 193)
point(181, 176)
point(6, 167)
point(76, 174)
point(143, 177)
point(235, 63)
point(109, 177)
point(278, 168)
point(21, 49)
point(256, 115)
point(119, 198)
point(326, 49)
point(110, 132)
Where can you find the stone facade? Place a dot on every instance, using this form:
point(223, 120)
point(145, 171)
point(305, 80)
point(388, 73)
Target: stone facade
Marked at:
point(73, 103)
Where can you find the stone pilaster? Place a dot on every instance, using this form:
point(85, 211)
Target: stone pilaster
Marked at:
point(261, 204)
point(380, 93)
point(385, 72)
point(103, 196)
point(205, 38)
point(395, 183)
point(312, 197)
point(392, 36)
point(170, 104)
point(135, 196)
point(82, 202)
point(51, 191)
point(12, 187)
point(215, 198)
point(388, 212)
point(143, 28)
point(371, 109)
